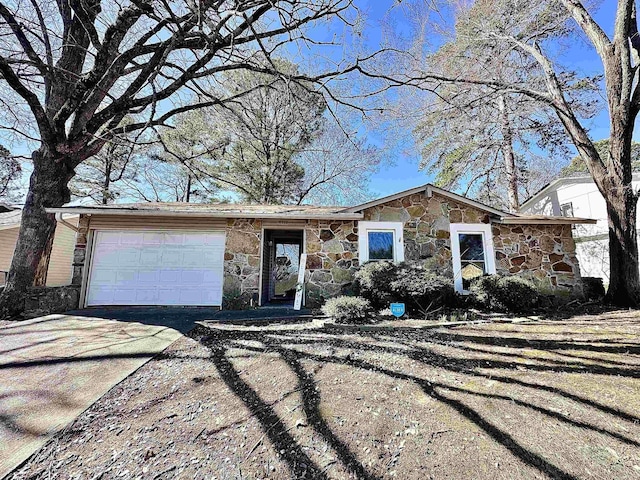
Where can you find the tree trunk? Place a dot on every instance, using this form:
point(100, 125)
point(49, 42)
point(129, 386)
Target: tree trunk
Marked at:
point(107, 181)
point(622, 201)
point(48, 188)
point(624, 284)
point(509, 156)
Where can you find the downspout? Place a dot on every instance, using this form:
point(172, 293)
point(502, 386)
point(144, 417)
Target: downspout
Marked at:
point(65, 223)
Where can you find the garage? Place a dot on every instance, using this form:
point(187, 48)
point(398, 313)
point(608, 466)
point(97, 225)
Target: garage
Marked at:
point(156, 268)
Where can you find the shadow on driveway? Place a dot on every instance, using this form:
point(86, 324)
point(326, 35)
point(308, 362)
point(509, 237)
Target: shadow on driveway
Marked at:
point(181, 319)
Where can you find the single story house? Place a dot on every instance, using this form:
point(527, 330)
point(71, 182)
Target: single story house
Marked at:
point(60, 270)
point(215, 254)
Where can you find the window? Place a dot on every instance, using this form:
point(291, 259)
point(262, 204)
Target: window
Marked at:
point(380, 241)
point(566, 209)
point(471, 257)
point(472, 252)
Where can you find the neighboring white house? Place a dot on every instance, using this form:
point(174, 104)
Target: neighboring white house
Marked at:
point(578, 196)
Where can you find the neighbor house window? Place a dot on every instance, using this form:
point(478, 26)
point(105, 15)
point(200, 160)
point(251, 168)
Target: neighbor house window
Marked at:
point(566, 209)
point(380, 241)
point(472, 252)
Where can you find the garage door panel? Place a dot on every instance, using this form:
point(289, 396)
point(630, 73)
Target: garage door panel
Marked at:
point(152, 238)
point(127, 276)
point(148, 276)
point(156, 268)
point(169, 276)
point(195, 258)
point(128, 238)
point(147, 296)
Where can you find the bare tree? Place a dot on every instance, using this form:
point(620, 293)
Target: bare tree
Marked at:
point(276, 146)
point(10, 173)
point(536, 30)
point(102, 177)
point(337, 167)
point(74, 69)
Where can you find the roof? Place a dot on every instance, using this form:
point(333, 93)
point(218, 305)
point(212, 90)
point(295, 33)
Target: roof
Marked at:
point(429, 190)
point(519, 218)
point(5, 207)
point(300, 212)
point(222, 210)
point(10, 219)
point(562, 181)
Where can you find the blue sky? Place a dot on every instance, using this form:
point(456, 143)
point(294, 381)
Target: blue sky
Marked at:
point(403, 173)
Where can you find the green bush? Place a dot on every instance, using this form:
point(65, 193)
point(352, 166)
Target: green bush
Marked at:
point(348, 309)
point(372, 281)
point(420, 289)
point(511, 293)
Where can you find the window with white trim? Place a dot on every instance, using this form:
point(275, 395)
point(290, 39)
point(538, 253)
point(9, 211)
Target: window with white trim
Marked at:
point(566, 209)
point(472, 253)
point(380, 241)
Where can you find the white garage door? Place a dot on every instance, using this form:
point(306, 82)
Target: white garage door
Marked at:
point(156, 268)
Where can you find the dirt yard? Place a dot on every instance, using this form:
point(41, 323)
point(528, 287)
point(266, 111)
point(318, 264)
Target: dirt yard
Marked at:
point(547, 399)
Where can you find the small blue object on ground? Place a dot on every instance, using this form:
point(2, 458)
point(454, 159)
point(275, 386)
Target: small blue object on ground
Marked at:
point(397, 309)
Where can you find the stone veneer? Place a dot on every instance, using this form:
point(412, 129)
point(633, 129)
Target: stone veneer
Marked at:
point(542, 253)
point(332, 260)
point(545, 254)
point(333, 246)
point(242, 262)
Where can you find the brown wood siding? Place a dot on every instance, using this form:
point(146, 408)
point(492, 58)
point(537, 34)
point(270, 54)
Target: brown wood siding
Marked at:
point(60, 265)
point(126, 222)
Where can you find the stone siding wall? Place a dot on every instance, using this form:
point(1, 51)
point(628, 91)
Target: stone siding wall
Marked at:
point(242, 263)
point(80, 252)
point(332, 260)
point(545, 254)
point(427, 223)
point(40, 301)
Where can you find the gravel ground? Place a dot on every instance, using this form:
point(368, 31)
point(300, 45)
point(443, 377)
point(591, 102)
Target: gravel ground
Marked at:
point(544, 399)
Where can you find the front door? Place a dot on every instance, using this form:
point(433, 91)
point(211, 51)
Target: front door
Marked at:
point(281, 260)
point(285, 271)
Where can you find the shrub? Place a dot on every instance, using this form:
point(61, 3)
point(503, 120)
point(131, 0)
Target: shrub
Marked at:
point(235, 299)
point(348, 309)
point(420, 289)
point(511, 293)
point(373, 280)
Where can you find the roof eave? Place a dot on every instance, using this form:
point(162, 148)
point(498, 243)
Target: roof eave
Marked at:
point(545, 221)
point(183, 213)
point(428, 189)
point(388, 198)
point(9, 227)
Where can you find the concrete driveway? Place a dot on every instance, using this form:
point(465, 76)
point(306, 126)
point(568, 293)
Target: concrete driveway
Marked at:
point(53, 368)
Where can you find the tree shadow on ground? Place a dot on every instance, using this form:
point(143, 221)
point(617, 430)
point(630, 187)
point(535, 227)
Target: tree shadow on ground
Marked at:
point(294, 347)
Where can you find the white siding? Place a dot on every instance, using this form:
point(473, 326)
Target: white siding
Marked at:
point(592, 247)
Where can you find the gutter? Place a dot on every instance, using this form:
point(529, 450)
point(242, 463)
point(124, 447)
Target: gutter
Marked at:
point(169, 213)
point(545, 221)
